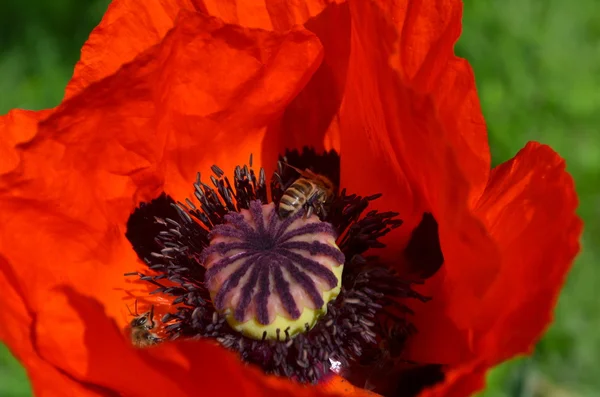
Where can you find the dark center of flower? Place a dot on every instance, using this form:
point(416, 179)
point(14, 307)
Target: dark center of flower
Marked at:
point(292, 294)
point(266, 273)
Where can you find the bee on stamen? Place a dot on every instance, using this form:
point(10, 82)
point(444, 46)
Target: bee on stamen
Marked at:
point(141, 326)
point(311, 192)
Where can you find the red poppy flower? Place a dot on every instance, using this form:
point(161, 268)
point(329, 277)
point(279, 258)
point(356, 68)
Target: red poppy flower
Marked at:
point(168, 88)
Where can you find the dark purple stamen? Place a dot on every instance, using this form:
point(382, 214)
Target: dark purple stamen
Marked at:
point(364, 328)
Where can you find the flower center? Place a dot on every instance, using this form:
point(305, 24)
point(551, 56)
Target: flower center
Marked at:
point(270, 286)
point(269, 276)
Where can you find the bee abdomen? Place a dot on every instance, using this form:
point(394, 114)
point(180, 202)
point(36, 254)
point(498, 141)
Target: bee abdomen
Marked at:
point(294, 197)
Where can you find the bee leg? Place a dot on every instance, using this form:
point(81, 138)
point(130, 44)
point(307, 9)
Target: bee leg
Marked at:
point(322, 210)
point(151, 317)
point(309, 211)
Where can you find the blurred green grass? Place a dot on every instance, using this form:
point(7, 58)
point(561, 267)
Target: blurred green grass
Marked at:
point(537, 66)
point(13, 379)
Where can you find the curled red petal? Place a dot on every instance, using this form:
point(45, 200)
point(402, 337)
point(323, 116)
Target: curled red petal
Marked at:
point(269, 14)
point(178, 369)
point(121, 140)
point(459, 382)
point(17, 127)
point(223, 88)
point(426, 62)
point(338, 386)
point(128, 28)
point(102, 362)
point(395, 141)
point(414, 37)
point(16, 331)
point(529, 209)
point(312, 117)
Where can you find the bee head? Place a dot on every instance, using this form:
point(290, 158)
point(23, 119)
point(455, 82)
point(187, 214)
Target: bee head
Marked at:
point(139, 321)
point(144, 320)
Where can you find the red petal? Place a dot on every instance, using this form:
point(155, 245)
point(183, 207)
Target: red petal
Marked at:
point(460, 382)
point(16, 332)
point(269, 14)
point(418, 148)
point(177, 369)
point(101, 362)
point(75, 336)
point(128, 28)
point(17, 127)
point(312, 118)
point(422, 114)
point(341, 387)
point(529, 209)
point(71, 345)
point(204, 95)
point(425, 62)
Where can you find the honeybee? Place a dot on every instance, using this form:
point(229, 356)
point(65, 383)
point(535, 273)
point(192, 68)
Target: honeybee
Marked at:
point(311, 191)
point(140, 328)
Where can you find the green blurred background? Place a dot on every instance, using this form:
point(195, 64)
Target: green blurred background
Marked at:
point(537, 65)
